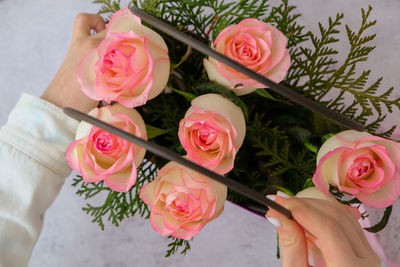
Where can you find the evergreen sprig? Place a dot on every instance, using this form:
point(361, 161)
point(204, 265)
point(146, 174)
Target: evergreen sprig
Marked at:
point(285, 19)
point(317, 66)
point(177, 244)
point(117, 205)
point(108, 7)
point(274, 145)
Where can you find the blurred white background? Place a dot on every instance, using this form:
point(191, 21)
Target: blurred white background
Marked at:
point(34, 37)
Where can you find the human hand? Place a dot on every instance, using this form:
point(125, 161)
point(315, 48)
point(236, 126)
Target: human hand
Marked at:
point(332, 227)
point(64, 89)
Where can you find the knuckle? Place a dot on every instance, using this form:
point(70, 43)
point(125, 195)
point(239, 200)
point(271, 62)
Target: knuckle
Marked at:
point(80, 17)
point(288, 241)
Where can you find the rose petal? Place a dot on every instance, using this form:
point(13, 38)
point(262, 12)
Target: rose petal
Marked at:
point(278, 73)
point(219, 104)
point(387, 195)
point(157, 222)
point(327, 172)
point(124, 21)
point(86, 76)
point(147, 193)
point(122, 181)
point(213, 73)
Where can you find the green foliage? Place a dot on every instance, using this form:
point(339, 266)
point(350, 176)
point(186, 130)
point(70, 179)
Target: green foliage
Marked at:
point(153, 132)
point(108, 7)
point(284, 18)
point(116, 206)
point(322, 74)
point(177, 244)
point(273, 143)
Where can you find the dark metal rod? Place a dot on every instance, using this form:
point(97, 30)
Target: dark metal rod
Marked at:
point(169, 155)
point(277, 88)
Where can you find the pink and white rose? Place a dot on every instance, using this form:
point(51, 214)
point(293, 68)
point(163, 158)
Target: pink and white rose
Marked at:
point(362, 165)
point(124, 66)
point(255, 44)
point(212, 132)
point(98, 155)
point(182, 201)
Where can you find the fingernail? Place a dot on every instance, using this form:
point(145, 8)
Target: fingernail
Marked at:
point(275, 221)
point(272, 197)
point(281, 194)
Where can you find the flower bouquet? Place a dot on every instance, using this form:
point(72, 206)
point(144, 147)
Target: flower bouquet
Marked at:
point(159, 89)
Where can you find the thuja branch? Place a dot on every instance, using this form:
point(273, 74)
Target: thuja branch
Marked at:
point(117, 205)
point(177, 244)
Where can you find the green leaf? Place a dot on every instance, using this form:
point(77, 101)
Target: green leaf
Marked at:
point(308, 183)
point(379, 226)
point(326, 137)
point(309, 145)
point(284, 190)
point(265, 94)
point(189, 97)
point(153, 132)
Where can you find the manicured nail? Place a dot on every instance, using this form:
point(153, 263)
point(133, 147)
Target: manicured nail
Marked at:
point(284, 195)
point(275, 221)
point(272, 197)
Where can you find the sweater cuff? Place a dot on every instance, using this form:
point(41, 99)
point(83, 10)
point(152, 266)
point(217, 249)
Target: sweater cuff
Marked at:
point(41, 130)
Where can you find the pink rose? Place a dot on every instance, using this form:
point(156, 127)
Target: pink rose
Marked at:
point(212, 132)
point(362, 165)
point(255, 44)
point(122, 68)
point(98, 155)
point(182, 201)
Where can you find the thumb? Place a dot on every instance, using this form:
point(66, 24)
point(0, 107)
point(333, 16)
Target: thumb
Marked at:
point(292, 240)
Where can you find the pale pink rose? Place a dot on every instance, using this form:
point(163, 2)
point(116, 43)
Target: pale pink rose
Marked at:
point(212, 132)
point(182, 201)
point(130, 66)
point(255, 44)
point(98, 155)
point(362, 165)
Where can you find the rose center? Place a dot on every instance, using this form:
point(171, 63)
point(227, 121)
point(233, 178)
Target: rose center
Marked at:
point(246, 50)
point(206, 137)
point(360, 168)
point(104, 142)
point(176, 204)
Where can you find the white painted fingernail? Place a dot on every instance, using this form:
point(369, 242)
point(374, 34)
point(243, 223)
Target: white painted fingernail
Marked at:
point(275, 221)
point(272, 197)
point(281, 194)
